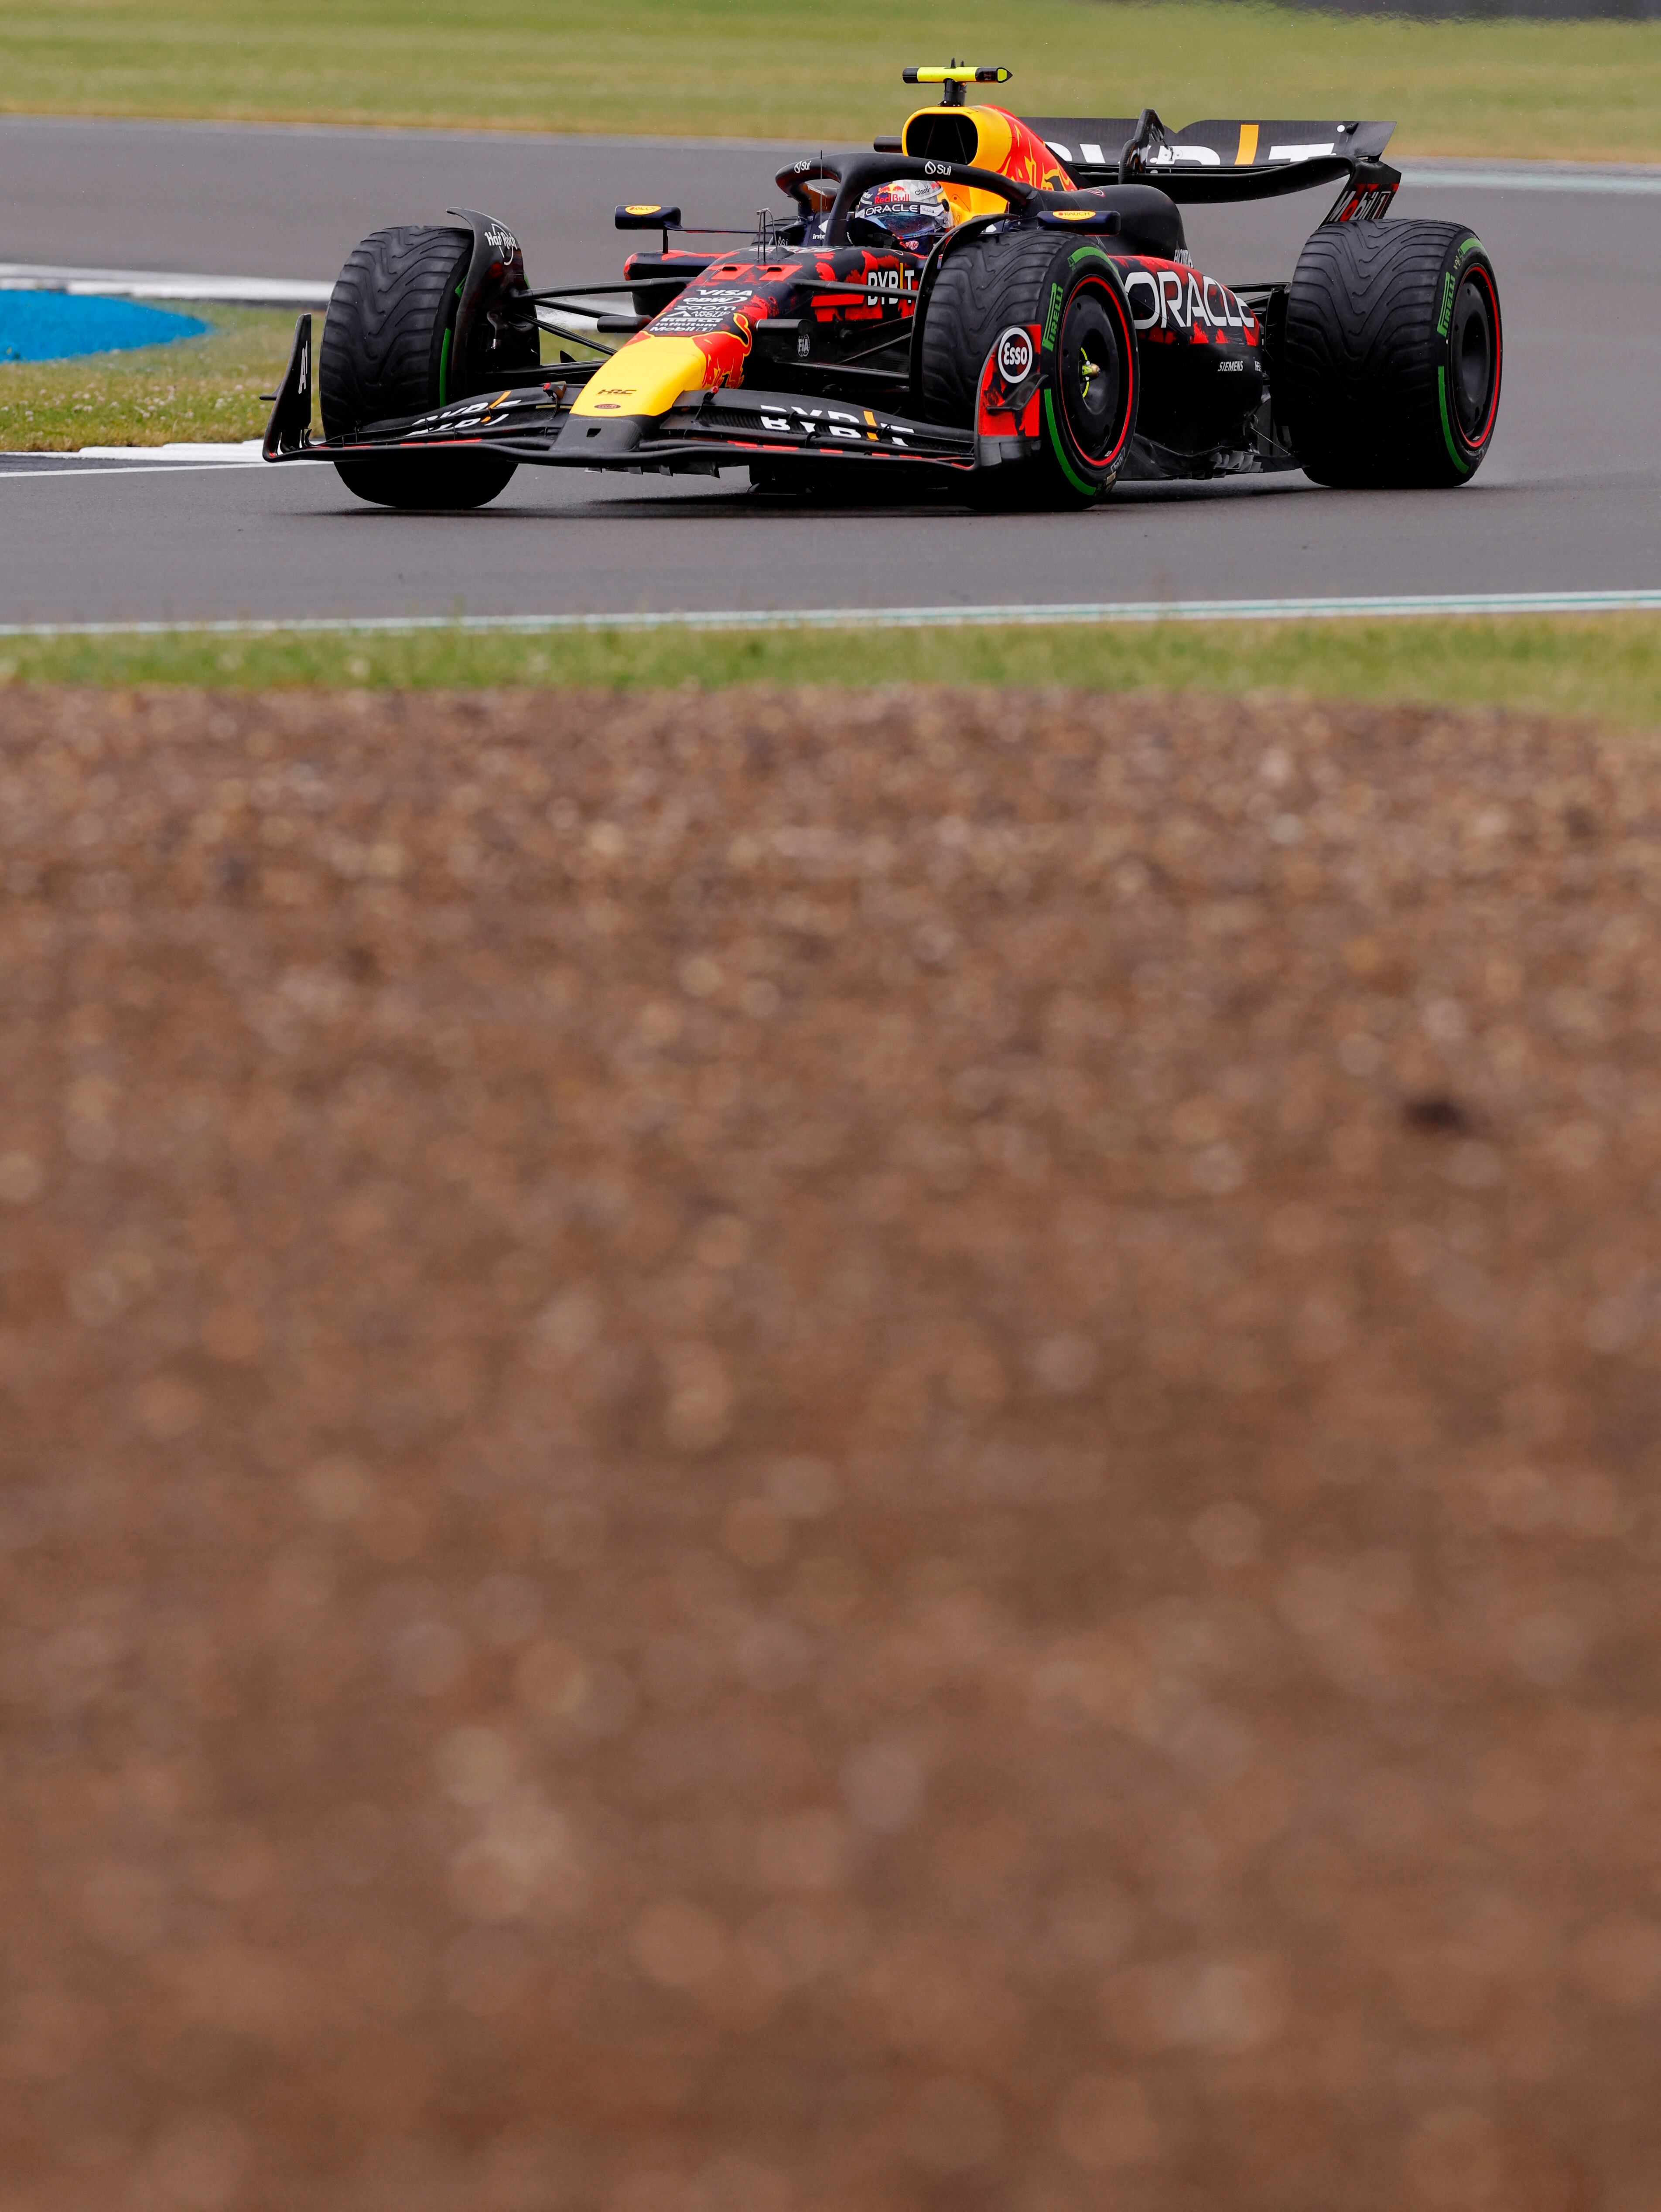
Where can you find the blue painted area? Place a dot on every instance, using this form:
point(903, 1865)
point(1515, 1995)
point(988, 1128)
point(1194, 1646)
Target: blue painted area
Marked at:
point(58, 326)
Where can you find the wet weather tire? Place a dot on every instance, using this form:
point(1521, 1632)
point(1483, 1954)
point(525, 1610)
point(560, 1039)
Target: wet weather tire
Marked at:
point(1392, 355)
point(1072, 294)
point(386, 351)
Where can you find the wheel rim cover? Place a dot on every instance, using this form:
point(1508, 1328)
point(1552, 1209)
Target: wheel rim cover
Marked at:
point(1092, 374)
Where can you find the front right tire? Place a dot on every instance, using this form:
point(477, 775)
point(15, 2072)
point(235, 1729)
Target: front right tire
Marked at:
point(1071, 290)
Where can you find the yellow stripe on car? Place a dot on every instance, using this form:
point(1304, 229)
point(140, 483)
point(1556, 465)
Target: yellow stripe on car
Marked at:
point(645, 377)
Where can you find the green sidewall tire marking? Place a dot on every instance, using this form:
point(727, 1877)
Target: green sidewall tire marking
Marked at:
point(444, 370)
point(1469, 244)
point(1085, 484)
point(1078, 483)
point(1454, 454)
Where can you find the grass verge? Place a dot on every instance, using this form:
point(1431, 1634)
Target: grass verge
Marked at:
point(746, 67)
point(201, 388)
point(1609, 667)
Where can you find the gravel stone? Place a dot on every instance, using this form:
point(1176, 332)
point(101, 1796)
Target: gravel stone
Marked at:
point(779, 1451)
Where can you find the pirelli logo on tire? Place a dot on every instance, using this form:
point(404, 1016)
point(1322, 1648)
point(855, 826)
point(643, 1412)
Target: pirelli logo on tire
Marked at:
point(1052, 319)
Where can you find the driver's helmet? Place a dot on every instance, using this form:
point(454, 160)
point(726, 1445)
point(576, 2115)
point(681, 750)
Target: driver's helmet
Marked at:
point(911, 211)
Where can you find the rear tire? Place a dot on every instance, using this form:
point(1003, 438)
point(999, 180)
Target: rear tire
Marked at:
point(386, 351)
point(1392, 355)
point(1071, 291)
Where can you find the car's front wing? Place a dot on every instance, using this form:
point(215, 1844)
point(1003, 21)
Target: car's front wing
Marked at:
point(704, 430)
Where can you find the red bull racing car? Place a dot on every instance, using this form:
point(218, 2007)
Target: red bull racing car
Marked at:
point(1000, 305)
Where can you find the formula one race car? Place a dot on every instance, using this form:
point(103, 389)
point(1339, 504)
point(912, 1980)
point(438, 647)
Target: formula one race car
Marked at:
point(1002, 306)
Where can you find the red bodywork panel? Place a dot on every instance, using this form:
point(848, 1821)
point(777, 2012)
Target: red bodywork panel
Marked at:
point(1006, 407)
point(1173, 303)
point(723, 305)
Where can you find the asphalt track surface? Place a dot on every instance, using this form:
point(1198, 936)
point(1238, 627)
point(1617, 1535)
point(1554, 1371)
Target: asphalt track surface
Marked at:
point(1568, 500)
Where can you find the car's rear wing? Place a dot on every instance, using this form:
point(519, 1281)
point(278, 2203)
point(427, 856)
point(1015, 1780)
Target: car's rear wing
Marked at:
point(1210, 161)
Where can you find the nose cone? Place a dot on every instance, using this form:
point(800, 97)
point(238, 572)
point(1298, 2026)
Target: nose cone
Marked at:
point(645, 377)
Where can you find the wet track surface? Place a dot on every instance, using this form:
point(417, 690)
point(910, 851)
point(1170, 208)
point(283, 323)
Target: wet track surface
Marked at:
point(1569, 498)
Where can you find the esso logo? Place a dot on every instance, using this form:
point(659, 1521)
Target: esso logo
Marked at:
point(1014, 355)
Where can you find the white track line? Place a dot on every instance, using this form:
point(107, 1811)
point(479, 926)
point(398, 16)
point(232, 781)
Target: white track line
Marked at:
point(243, 452)
point(136, 460)
point(1402, 606)
point(120, 469)
point(147, 284)
point(1533, 176)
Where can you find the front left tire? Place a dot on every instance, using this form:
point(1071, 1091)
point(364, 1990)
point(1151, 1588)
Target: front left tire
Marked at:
point(388, 350)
